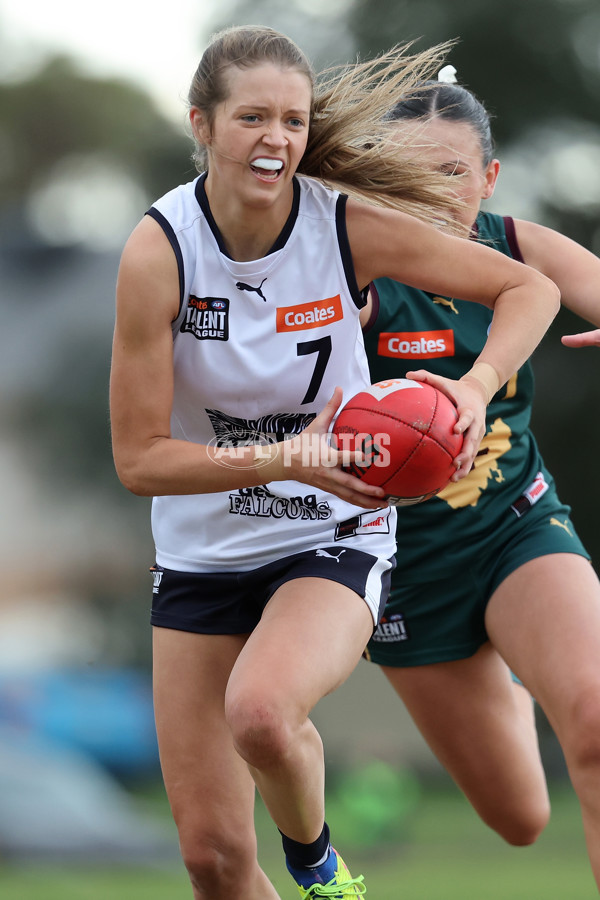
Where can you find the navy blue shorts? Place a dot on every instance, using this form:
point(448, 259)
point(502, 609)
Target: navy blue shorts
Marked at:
point(233, 602)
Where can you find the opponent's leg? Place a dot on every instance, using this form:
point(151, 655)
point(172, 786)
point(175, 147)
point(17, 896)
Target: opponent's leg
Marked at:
point(209, 787)
point(545, 621)
point(480, 724)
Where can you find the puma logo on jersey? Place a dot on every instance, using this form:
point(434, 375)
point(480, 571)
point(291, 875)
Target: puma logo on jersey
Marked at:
point(330, 555)
point(242, 286)
point(443, 301)
point(554, 521)
point(416, 344)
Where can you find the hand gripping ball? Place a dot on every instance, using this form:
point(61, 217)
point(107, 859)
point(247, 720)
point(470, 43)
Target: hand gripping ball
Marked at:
point(405, 430)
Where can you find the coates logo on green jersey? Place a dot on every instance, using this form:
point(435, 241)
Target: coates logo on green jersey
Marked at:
point(416, 344)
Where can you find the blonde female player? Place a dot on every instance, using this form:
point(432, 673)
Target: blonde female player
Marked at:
point(237, 328)
point(491, 572)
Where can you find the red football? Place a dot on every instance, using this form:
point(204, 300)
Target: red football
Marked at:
point(405, 430)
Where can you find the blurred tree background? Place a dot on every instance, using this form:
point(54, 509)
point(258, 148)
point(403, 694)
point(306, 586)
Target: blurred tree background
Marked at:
point(82, 158)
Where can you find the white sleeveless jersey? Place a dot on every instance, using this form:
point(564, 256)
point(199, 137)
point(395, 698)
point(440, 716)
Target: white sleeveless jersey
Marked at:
point(259, 347)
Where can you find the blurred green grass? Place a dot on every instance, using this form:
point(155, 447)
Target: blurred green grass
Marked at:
point(445, 853)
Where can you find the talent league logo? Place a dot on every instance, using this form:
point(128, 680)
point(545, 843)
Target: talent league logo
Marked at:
point(391, 630)
point(157, 574)
point(207, 318)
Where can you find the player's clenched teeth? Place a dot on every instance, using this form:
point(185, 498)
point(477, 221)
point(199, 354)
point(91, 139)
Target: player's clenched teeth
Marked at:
point(267, 168)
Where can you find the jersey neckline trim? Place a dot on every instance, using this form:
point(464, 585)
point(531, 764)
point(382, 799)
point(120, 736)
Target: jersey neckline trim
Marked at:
point(284, 234)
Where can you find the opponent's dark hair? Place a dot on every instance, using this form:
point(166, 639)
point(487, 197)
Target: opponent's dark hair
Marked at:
point(453, 102)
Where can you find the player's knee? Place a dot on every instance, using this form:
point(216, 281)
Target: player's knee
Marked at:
point(524, 829)
point(214, 863)
point(518, 819)
point(261, 731)
point(520, 836)
point(206, 865)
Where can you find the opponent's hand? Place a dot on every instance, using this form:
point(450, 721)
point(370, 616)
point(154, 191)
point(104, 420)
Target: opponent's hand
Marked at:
point(469, 397)
point(310, 459)
point(583, 339)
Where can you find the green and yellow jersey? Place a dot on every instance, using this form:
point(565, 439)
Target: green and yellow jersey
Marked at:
point(411, 329)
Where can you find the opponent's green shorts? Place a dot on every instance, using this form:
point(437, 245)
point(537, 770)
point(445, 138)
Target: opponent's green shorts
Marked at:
point(442, 620)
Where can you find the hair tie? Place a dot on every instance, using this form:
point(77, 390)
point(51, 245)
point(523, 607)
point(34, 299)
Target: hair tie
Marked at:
point(447, 75)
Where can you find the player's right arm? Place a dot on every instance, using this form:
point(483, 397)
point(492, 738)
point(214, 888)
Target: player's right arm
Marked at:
point(148, 460)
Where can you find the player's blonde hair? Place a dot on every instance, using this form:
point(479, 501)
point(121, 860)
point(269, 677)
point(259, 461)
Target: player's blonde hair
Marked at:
point(349, 143)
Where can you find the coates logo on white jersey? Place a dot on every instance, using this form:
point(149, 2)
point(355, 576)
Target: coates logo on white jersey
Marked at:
point(416, 344)
point(310, 315)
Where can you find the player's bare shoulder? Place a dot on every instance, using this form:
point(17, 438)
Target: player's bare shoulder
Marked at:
point(365, 222)
point(148, 274)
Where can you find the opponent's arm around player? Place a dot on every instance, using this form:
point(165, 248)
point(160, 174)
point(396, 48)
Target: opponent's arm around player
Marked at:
point(509, 585)
point(237, 335)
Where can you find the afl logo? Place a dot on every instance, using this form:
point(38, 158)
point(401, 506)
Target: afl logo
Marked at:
point(218, 304)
